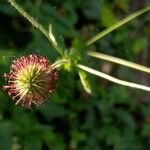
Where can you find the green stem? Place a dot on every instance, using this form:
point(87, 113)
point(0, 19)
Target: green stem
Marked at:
point(35, 24)
point(58, 63)
point(113, 79)
point(119, 61)
point(117, 25)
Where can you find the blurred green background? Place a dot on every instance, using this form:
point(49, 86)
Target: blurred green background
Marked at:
point(114, 117)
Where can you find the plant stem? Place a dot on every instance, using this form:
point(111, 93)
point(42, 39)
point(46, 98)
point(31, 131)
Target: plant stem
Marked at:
point(35, 24)
point(59, 63)
point(119, 61)
point(117, 25)
point(113, 79)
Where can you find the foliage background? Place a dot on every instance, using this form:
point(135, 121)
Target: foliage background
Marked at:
point(114, 117)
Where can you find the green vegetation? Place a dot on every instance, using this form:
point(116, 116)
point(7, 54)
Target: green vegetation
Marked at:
point(86, 112)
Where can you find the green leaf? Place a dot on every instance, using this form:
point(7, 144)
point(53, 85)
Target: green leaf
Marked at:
point(146, 129)
point(107, 16)
point(32, 142)
point(78, 136)
point(5, 135)
point(85, 81)
point(51, 110)
point(139, 44)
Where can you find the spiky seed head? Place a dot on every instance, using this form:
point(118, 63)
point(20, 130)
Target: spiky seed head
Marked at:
point(30, 80)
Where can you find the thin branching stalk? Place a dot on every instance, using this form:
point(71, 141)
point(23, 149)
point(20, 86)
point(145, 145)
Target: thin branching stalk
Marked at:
point(52, 40)
point(113, 79)
point(59, 63)
point(117, 25)
point(35, 24)
point(119, 61)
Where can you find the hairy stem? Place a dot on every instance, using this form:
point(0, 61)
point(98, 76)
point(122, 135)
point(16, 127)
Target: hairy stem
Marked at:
point(35, 24)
